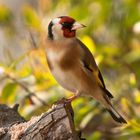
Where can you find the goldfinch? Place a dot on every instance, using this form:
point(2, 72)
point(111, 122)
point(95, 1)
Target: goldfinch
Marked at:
point(73, 65)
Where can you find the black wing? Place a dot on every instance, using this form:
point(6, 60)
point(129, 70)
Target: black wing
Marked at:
point(90, 64)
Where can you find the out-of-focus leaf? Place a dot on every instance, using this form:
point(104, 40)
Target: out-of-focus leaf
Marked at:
point(109, 51)
point(86, 119)
point(8, 90)
point(79, 15)
point(132, 79)
point(17, 61)
point(5, 15)
point(31, 18)
point(24, 70)
point(132, 56)
point(137, 96)
point(40, 69)
point(133, 127)
point(95, 136)
point(89, 43)
point(127, 106)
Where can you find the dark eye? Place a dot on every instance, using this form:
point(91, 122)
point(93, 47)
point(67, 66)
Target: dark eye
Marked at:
point(66, 24)
point(63, 23)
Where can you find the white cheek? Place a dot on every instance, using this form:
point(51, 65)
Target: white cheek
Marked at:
point(57, 31)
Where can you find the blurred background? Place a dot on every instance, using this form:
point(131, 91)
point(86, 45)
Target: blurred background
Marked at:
point(112, 35)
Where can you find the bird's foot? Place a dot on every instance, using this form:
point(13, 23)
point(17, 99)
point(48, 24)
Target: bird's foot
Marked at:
point(67, 101)
point(72, 98)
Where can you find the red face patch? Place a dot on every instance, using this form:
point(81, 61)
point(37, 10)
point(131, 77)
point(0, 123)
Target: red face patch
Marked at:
point(67, 23)
point(68, 34)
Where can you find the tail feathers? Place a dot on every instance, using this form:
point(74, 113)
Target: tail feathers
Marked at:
point(107, 93)
point(116, 116)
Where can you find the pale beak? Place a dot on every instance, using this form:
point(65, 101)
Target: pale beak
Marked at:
point(77, 25)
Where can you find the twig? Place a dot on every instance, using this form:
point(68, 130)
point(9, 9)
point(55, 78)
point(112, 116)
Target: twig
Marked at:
point(27, 90)
point(3, 78)
point(32, 40)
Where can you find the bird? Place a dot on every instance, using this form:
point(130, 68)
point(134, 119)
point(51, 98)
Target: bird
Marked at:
point(73, 65)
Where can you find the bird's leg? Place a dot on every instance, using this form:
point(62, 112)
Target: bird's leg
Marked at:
point(69, 100)
point(73, 97)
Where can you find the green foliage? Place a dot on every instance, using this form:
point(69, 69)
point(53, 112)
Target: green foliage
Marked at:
point(113, 38)
point(31, 18)
point(8, 91)
point(95, 136)
point(5, 15)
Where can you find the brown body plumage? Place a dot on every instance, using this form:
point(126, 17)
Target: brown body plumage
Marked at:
point(73, 66)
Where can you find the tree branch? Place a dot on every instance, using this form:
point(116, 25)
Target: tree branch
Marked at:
point(56, 124)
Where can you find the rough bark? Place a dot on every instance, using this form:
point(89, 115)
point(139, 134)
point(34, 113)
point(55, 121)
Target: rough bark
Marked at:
point(55, 124)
